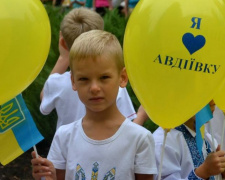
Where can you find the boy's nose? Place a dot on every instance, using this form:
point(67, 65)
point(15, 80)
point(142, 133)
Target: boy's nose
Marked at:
point(94, 87)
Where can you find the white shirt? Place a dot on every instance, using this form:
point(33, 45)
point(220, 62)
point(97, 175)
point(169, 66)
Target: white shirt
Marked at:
point(59, 95)
point(177, 160)
point(79, 155)
point(217, 126)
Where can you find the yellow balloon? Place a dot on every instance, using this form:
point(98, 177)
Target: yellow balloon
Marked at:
point(219, 98)
point(25, 40)
point(174, 55)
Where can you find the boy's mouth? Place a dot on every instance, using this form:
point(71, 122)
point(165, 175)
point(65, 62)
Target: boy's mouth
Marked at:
point(96, 98)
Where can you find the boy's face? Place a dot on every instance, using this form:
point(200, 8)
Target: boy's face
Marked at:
point(97, 82)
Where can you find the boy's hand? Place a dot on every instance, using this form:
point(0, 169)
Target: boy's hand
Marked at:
point(41, 167)
point(214, 164)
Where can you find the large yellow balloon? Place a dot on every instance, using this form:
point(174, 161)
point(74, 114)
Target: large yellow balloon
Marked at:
point(175, 56)
point(25, 41)
point(219, 98)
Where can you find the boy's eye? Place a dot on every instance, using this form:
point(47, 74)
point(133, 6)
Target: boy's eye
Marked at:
point(82, 79)
point(105, 77)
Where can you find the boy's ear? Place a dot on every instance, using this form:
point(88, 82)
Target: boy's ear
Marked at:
point(73, 83)
point(123, 78)
point(62, 41)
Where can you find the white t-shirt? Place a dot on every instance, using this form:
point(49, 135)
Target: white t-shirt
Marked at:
point(59, 95)
point(177, 160)
point(79, 155)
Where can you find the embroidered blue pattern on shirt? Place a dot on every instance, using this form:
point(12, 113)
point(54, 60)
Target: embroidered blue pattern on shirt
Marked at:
point(110, 175)
point(197, 158)
point(80, 174)
point(94, 175)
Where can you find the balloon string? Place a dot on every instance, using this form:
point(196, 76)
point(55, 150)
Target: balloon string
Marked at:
point(212, 134)
point(0, 114)
point(162, 153)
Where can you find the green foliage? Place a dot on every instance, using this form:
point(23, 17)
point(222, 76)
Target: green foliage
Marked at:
point(114, 23)
point(151, 126)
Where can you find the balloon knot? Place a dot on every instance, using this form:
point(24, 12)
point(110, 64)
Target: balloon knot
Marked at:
point(167, 130)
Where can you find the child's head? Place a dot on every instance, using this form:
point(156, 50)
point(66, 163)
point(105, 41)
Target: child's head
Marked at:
point(212, 105)
point(191, 121)
point(78, 21)
point(95, 44)
point(97, 69)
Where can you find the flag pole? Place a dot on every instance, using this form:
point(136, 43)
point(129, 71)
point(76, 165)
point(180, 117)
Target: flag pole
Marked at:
point(35, 150)
point(213, 139)
point(0, 112)
point(162, 153)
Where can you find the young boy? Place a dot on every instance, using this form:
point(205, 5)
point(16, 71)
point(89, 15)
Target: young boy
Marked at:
point(103, 144)
point(182, 159)
point(57, 92)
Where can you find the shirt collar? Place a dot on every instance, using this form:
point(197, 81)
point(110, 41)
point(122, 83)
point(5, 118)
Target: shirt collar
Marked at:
point(191, 131)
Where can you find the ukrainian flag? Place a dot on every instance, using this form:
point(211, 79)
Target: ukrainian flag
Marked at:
point(202, 117)
point(18, 132)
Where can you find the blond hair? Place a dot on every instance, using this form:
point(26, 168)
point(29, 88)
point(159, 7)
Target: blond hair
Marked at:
point(78, 21)
point(94, 44)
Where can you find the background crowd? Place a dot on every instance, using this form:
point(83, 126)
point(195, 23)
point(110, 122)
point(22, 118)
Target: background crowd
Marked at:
point(107, 9)
point(125, 7)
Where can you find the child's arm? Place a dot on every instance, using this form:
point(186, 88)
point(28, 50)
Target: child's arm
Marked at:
point(62, 63)
point(141, 116)
point(110, 5)
point(143, 177)
point(126, 8)
point(60, 174)
point(213, 165)
point(93, 4)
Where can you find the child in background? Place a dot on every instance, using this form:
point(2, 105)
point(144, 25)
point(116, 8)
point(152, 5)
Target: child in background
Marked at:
point(182, 159)
point(57, 92)
point(103, 144)
point(100, 6)
point(88, 4)
point(77, 3)
point(66, 4)
point(129, 6)
point(73, 24)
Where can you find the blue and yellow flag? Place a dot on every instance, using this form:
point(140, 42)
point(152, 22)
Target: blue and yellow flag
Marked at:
point(18, 132)
point(202, 117)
